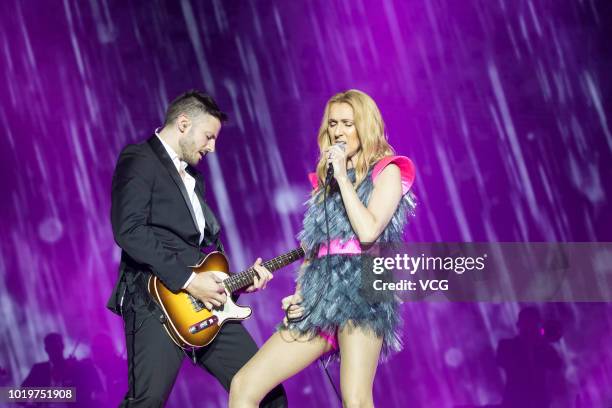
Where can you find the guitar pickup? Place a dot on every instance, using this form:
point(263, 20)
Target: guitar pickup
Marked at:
point(198, 327)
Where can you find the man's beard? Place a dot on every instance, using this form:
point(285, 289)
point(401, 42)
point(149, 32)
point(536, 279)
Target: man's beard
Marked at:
point(188, 150)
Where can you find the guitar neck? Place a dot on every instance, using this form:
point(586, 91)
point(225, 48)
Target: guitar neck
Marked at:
point(246, 278)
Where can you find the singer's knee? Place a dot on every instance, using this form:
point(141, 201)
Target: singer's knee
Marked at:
point(242, 393)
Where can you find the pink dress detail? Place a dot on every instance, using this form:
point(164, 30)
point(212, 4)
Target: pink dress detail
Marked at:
point(406, 170)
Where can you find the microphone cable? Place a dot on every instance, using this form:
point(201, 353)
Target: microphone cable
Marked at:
point(326, 187)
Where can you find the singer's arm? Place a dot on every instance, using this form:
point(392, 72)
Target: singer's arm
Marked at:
point(369, 222)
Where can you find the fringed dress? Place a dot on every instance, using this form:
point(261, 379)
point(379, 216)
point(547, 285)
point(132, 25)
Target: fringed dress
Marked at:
point(331, 298)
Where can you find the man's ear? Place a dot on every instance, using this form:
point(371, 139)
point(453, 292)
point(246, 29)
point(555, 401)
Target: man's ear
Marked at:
point(183, 123)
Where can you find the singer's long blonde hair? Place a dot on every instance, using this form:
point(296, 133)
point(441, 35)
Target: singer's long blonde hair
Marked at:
point(370, 129)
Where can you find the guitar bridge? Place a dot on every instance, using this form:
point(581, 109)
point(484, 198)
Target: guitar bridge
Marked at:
point(204, 324)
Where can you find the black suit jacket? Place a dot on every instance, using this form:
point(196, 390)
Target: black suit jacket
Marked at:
point(153, 220)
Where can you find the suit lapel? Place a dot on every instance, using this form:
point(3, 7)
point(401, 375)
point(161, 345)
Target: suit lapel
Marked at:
point(162, 154)
point(212, 226)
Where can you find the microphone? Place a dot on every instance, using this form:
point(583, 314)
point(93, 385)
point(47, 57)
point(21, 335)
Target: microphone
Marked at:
point(330, 167)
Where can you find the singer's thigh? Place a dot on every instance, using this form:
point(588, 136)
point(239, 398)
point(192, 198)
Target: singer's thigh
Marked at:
point(359, 355)
point(282, 356)
point(230, 350)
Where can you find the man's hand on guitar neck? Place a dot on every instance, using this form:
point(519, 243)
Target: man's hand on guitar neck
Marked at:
point(207, 288)
point(261, 278)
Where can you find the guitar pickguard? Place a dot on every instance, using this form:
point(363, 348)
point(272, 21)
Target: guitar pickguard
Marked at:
point(229, 310)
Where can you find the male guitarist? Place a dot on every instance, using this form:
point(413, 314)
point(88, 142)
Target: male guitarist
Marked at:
point(161, 221)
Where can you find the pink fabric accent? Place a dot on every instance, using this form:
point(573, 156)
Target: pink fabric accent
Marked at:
point(406, 170)
point(330, 338)
point(313, 180)
point(352, 246)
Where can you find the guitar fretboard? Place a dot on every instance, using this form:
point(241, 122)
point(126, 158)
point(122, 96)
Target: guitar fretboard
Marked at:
point(245, 278)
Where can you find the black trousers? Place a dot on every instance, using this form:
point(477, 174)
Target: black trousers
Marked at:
point(154, 360)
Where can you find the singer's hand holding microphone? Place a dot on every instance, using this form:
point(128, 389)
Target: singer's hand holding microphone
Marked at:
point(336, 161)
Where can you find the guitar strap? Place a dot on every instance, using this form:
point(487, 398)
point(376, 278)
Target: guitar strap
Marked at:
point(219, 244)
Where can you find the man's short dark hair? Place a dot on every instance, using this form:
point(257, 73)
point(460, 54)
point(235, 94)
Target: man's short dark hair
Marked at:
point(193, 103)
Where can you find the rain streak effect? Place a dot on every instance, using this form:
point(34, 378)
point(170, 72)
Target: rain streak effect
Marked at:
point(504, 106)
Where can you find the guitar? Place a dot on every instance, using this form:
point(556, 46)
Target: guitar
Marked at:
point(188, 322)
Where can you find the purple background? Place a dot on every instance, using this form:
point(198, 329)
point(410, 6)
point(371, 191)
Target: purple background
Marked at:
point(503, 106)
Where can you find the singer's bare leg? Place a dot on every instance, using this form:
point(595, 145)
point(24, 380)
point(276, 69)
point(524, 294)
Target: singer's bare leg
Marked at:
point(282, 356)
point(359, 354)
